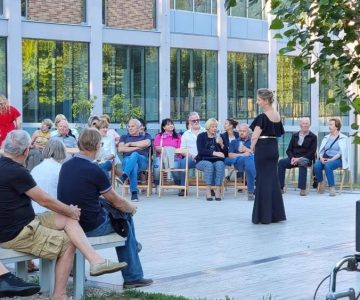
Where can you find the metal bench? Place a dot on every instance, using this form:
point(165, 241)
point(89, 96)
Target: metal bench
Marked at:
point(47, 267)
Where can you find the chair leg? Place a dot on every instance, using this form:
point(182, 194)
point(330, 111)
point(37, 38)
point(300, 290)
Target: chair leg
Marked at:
point(197, 184)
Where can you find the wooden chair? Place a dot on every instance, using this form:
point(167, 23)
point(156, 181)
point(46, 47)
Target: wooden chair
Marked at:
point(200, 183)
point(164, 182)
point(291, 177)
point(142, 185)
point(237, 183)
point(342, 174)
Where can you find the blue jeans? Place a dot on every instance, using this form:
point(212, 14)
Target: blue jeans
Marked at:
point(106, 167)
point(247, 164)
point(329, 168)
point(132, 165)
point(182, 163)
point(128, 253)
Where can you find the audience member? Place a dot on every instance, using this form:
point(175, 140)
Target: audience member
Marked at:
point(72, 131)
point(63, 135)
point(12, 286)
point(210, 159)
point(228, 136)
point(169, 140)
point(81, 182)
point(188, 141)
point(111, 132)
point(333, 154)
point(51, 235)
point(301, 153)
point(135, 149)
point(243, 159)
point(9, 118)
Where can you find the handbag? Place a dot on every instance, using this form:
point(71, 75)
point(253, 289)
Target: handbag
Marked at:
point(118, 218)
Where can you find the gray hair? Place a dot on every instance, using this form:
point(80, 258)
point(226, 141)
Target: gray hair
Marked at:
point(305, 119)
point(55, 149)
point(16, 142)
point(136, 121)
point(193, 113)
point(209, 122)
point(245, 125)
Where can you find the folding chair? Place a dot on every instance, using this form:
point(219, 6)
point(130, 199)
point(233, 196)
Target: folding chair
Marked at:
point(200, 183)
point(292, 178)
point(342, 173)
point(238, 183)
point(165, 182)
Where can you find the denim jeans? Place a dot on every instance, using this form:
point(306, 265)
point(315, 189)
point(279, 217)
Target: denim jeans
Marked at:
point(132, 165)
point(106, 167)
point(156, 169)
point(329, 168)
point(182, 163)
point(128, 253)
point(247, 164)
point(285, 164)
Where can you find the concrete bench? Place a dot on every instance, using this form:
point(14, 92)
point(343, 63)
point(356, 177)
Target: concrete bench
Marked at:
point(47, 267)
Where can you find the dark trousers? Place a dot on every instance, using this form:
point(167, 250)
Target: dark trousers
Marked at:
point(285, 164)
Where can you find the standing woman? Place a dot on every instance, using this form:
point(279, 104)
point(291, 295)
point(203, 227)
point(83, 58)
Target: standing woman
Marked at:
point(9, 118)
point(268, 205)
point(210, 159)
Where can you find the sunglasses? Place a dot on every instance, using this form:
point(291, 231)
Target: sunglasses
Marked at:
point(195, 121)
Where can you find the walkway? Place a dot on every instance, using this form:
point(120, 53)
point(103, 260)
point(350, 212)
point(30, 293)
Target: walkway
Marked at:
point(210, 250)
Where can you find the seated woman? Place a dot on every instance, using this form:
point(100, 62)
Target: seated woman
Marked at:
point(46, 174)
point(333, 154)
point(228, 136)
point(38, 141)
point(107, 152)
point(168, 137)
point(210, 158)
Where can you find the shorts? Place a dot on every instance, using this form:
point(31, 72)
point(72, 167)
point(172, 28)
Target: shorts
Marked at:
point(40, 238)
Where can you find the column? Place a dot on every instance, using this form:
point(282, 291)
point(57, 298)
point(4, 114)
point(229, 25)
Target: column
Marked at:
point(94, 19)
point(12, 11)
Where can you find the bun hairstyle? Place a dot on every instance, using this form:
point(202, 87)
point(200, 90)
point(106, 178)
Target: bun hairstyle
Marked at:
point(266, 94)
point(233, 122)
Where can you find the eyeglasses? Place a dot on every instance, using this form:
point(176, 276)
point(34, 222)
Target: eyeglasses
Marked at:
point(195, 121)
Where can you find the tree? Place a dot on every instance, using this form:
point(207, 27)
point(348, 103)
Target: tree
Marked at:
point(123, 110)
point(82, 108)
point(328, 31)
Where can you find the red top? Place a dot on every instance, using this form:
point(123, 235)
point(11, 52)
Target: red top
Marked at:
point(7, 122)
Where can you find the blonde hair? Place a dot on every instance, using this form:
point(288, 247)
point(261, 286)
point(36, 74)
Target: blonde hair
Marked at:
point(266, 94)
point(102, 123)
point(209, 122)
point(4, 104)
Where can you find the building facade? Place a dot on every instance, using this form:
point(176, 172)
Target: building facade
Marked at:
point(169, 57)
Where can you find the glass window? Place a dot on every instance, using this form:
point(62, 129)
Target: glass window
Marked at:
point(83, 11)
point(104, 12)
point(246, 74)
point(24, 8)
point(193, 83)
point(239, 10)
point(330, 110)
point(1, 7)
point(248, 9)
point(184, 4)
point(3, 89)
point(201, 6)
point(293, 91)
point(55, 73)
point(133, 72)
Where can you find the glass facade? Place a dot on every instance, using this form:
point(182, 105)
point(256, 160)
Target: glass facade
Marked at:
point(193, 83)
point(55, 74)
point(248, 9)
point(246, 73)
point(200, 6)
point(3, 80)
point(293, 91)
point(133, 72)
point(330, 110)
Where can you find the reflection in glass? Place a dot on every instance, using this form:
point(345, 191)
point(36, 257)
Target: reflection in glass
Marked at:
point(193, 83)
point(55, 73)
point(246, 73)
point(133, 72)
point(248, 9)
point(293, 91)
point(201, 6)
point(3, 66)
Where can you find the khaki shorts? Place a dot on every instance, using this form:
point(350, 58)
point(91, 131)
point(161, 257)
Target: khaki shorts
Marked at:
point(40, 238)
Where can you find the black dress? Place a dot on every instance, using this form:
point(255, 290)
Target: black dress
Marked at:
point(268, 205)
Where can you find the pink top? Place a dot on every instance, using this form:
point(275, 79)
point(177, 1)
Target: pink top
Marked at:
point(167, 139)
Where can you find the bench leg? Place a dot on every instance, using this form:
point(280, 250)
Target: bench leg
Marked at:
point(79, 275)
point(21, 269)
point(47, 275)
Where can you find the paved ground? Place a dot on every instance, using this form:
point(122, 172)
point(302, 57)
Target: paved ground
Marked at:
point(211, 250)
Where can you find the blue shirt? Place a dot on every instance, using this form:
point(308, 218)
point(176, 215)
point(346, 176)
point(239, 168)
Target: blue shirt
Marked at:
point(234, 145)
point(68, 140)
point(81, 182)
point(127, 138)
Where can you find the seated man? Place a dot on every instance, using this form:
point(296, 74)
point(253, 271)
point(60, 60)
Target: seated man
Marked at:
point(11, 286)
point(63, 135)
point(243, 159)
point(188, 141)
point(82, 181)
point(301, 152)
point(135, 149)
point(51, 235)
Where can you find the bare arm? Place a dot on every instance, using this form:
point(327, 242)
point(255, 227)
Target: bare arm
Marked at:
point(255, 137)
point(18, 123)
point(120, 202)
point(44, 199)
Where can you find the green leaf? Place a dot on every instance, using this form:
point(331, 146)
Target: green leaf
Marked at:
point(298, 62)
point(229, 3)
point(356, 140)
point(330, 101)
point(312, 80)
point(344, 107)
point(324, 2)
point(277, 24)
point(278, 36)
point(285, 50)
point(356, 104)
point(354, 126)
point(289, 32)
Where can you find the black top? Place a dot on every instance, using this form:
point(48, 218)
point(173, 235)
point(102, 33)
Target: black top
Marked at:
point(206, 146)
point(16, 210)
point(268, 127)
point(226, 140)
point(307, 149)
point(81, 182)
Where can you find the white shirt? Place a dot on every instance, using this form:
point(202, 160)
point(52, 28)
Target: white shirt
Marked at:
point(188, 140)
point(46, 176)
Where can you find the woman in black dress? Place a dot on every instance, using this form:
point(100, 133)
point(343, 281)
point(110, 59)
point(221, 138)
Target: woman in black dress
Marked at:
point(268, 205)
